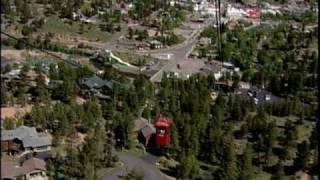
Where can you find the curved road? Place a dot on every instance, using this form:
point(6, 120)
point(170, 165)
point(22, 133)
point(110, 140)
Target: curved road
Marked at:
point(149, 170)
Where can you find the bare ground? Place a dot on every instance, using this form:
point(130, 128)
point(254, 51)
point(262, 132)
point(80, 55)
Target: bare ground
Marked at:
point(11, 112)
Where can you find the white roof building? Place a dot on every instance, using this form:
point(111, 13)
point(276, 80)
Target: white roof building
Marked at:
point(205, 8)
point(235, 13)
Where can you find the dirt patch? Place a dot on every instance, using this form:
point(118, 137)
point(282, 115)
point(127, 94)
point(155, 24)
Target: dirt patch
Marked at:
point(81, 138)
point(65, 39)
point(11, 53)
point(74, 141)
point(11, 112)
point(80, 100)
point(19, 55)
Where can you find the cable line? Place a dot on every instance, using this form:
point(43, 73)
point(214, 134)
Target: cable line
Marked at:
point(73, 63)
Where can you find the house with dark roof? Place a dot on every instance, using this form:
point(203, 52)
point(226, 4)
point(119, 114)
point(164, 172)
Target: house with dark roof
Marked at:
point(143, 130)
point(31, 169)
point(95, 86)
point(24, 139)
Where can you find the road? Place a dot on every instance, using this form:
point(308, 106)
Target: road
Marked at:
point(180, 53)
point(147, 168)
point(176, 50)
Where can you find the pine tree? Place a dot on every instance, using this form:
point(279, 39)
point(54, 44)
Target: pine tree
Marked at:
point(279, 174)
point(247, 169)
point(189, 167)
point(230, 165)
point(302, 155)
point(26, 12)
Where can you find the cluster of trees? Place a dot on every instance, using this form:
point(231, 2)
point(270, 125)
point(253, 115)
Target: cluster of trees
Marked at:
point(22, 10)
point(110, 21)
point(144, 8)
point(171, 18)
point(141, 34)
point(40, 93)
point(85, 161)
point(280, 59)
point(170, 39)
point(307, 18)
point(203, 131)
point(40, 43)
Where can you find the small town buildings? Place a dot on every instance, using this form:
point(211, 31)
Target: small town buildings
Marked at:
point(242, 84)
point(205, 8)
point(270, 11)
point(259, 96)
point(31, 169)
point(250, 3)
point(24, 139)
point(212, 68)
point(155, 44)
point(186, 68)
point(95, 82)
point(96, 86)
point(234, 13)
point(252, 13)
point(133, 22)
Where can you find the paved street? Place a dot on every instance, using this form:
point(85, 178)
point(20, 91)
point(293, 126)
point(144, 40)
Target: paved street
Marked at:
point(149, 171)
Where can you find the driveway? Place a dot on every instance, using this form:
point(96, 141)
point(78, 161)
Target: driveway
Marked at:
point(149, 170)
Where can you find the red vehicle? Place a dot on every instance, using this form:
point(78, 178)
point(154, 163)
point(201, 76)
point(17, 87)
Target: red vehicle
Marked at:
point(252, 13)
point(162, 125)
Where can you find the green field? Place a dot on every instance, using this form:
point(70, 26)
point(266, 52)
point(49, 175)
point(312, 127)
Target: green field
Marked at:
point(56, 25)
point(133, 59)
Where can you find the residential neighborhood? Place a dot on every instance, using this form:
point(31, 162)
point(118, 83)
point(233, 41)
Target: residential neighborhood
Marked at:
point(159, 90)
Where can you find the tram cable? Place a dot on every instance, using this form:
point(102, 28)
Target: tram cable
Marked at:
point(42, 50)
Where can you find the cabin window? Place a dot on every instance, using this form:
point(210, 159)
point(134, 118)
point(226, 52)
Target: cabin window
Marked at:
point(161, 131)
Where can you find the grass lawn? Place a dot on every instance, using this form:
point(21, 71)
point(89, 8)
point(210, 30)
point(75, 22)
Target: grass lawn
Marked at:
point(280, 121)
point(136, 150)
point(304, 131)
point(133, 58)
point(91, 31)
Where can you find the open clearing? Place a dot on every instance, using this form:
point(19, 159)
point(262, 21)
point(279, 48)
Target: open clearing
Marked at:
point(11, 112)
point(90, 31)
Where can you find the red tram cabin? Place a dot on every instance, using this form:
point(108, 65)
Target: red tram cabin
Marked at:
point(162, 136)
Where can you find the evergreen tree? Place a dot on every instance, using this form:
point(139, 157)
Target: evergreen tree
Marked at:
point(25, 12)
point(279, 174)
point(230, 164)
point(189, 167)
point(302, 156)
point(247, 169)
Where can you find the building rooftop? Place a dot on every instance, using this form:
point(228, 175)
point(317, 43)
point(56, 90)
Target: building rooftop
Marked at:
point(95, 82)
point(146, 128)
point(10, 171)
point(35, 142)
point(155, 42)
point(259, 95)
point(28, 136)
point(18, 133)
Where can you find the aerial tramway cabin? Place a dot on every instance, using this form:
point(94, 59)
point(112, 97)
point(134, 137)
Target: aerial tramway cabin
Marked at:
point(162, 136)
